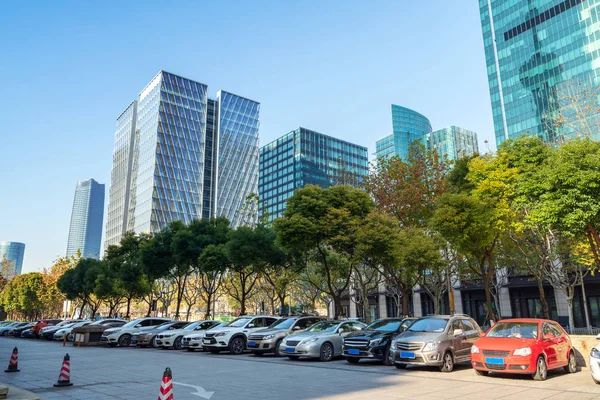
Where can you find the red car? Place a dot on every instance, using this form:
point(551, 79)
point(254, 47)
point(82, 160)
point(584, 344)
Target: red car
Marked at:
point(35, 329)
point(524, 346)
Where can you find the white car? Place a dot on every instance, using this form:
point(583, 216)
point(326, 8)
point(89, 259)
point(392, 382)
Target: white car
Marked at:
point(595, 362)
point(193, 340)
point(64, 330)
point(173, 339)
point(234, 336)
point(122, 336)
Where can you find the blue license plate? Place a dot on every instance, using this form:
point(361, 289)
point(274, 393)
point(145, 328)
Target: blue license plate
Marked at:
point(407, 354)
point(251, 344)
point(133, 341)
point(186, 343)
point(495, 361)
point(289, 349)
point(158, 341)
point(354, 352)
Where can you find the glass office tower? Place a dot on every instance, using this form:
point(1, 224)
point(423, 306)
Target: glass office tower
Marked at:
point(454, 142)
point(85, 231)
point(541, 56)
point(180, 155)
point(304, 157)
point(408, 126)
point(14, 253)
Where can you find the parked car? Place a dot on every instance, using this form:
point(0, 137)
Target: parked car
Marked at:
point(97, 326)
point(322, 340)
point(524, 346)
point(67, 330)
point(35, 329)
point(148, 337)
point(122, 335)
point(595, 362)
point(47, 332)
point(16, 332)
point(439, 340)
point(173, 339)
point(269, 339)
point(193, 341)
point(233, 337)
point(375, 340)
point(6, 329)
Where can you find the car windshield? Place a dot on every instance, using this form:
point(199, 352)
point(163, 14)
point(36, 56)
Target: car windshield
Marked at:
point(326, 326)
point(515, 330)
point(239, 322)
point(191, 326)
point(384, 326)
point(429, 325)
point(283, 323)
point(68, 325)
point(133, 323)
point(165, 325)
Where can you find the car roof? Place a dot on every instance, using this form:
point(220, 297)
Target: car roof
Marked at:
point(536, 320)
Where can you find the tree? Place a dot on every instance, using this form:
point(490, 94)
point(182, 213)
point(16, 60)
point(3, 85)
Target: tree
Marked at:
point(51, 297)
point(79, 283)
point(319, 228)
point(22, 295)
point(212, 265)
point(108, 288)
point(366, 280)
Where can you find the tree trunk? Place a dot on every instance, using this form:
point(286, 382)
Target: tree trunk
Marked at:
point(545, 310)
point(243, 302)
point(491, 315)
point(282, 302)
point(81, 309)
point(187, 314)
point(571, 318)
point(337, 305)
point(208, 304)
point(129, 306)
point(406, 302)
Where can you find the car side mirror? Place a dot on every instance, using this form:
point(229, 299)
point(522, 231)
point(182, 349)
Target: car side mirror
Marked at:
point(458, 332)
point(483, 334)
point(138, 326)
point(296, 328)
point(251, 326)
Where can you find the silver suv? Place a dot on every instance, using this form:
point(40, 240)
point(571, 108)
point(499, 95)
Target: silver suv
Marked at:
point(437, 340)
point(268, 340)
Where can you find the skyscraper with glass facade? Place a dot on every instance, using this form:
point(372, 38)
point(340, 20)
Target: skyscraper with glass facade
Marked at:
point(180, 155)
point(540, 54)
point(454, 142)
point(304, 157)
point(85, 231)
point(408, 126)
point(14, 253)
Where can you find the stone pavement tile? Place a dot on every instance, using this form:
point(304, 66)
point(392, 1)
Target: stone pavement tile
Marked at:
point(574, 396)
point(534, 394)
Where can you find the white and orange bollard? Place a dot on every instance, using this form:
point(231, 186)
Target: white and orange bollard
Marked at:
point(166, 386)
point(64, 377)
point(13, 364)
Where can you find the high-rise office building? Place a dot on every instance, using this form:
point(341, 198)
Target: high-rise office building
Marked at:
point(304, 157)
point(540, 55)
point(85, 231)
point(13, 252)
point(408, 126)
point(454, 142)
point(180, 155)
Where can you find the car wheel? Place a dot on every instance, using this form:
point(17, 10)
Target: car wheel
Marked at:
point(277, 352)
point(125, 341)
point(326, 353)
point(571, 367)
point(386, 357)
point(3, 333)
point(177, 343)
point(214, 351)
point(352, 360)
point(294, 358)
point(481, 373)
point(400, 366)
point(237, 346)
point(153, 342)
point(447, 362)
point(541, 370)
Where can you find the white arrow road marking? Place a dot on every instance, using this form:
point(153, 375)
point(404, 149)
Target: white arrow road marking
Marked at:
point(200, 391)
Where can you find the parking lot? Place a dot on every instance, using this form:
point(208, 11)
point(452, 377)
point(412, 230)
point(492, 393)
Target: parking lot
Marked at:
point(130, 373)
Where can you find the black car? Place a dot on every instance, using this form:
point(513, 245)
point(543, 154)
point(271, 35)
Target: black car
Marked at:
point(17, 331)
point(374, 341)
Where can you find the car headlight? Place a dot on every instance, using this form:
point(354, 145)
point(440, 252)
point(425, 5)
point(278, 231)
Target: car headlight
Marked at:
point(595, 353)
point(271, 336)
point(431, 346)
point(311, 340)
point(374, 342)
point(222, 333)
point(166, 335)
point(393, 345)
point(525, 351)
point(474, 349)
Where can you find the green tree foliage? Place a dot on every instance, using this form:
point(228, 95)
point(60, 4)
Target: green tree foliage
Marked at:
point(320, 226)
point(79, 283)
point(22, 296)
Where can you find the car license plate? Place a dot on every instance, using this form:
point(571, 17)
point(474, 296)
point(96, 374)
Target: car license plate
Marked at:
point(133, 341)
point(186, 343)
point(495, 361)
point(206, 341)
point(251, 344)
point(407, 354)
point(289, 349)
point(158, 341)
point(354, 352)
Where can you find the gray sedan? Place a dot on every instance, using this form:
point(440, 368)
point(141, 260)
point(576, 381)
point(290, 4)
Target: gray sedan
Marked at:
point(323, 340)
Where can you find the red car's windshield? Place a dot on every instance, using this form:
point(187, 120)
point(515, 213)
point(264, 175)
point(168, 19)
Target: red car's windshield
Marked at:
point(516, 330)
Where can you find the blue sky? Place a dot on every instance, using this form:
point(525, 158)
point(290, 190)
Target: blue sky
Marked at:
point(69, 68)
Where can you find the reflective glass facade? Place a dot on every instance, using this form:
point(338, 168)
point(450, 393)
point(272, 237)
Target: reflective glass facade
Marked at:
point(85, 231)
point(408, 126)
point(238, 157)
point(304, 157)
point(454, 142)
point(181, 156)
point(14, 252)
point(538, 53)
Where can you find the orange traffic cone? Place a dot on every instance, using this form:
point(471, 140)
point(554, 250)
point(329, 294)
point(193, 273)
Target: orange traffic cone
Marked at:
point(64, 378)
point(13, 365)
point(166, 386)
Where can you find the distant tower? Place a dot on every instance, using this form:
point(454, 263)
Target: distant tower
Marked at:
point(14, 252)
point(85, 232)
point(408, 126)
